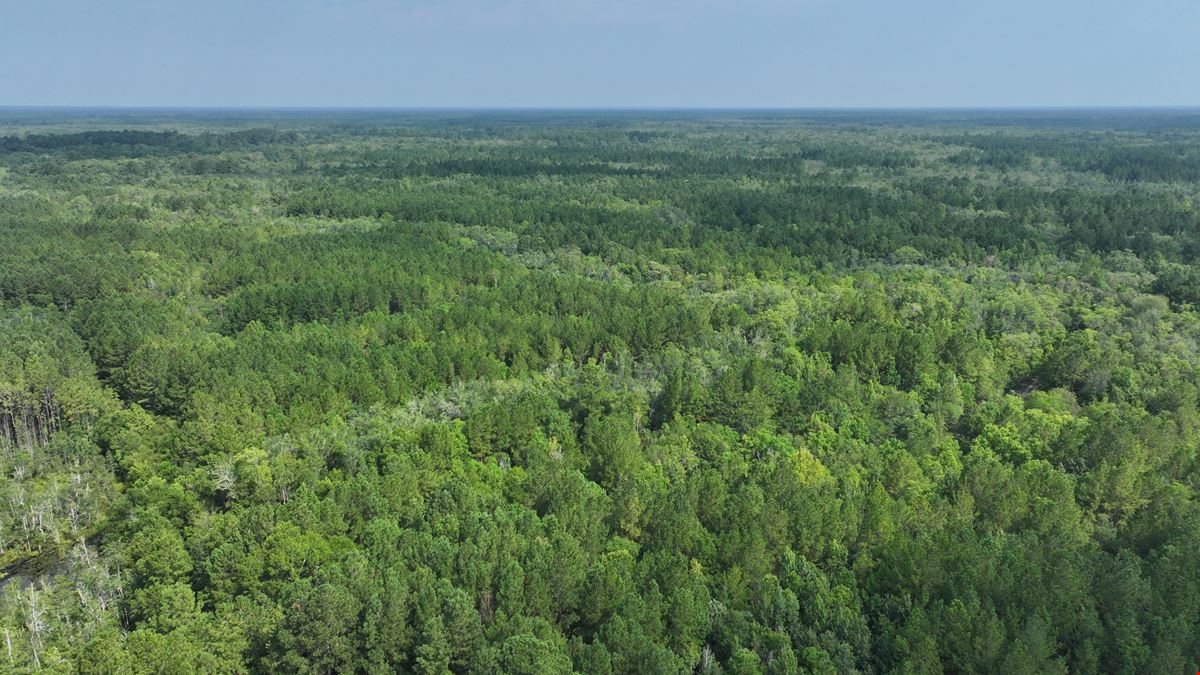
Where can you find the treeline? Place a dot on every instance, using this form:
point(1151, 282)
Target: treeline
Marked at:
point(139, 143)
point(1122, 159)
point(821, 220)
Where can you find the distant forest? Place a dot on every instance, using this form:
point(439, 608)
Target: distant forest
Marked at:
point(599, 392)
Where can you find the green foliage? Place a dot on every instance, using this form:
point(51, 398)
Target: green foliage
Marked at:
point(605, 393)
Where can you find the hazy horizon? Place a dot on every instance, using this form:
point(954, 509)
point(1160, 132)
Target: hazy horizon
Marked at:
point(614, 108)
point(586, 54)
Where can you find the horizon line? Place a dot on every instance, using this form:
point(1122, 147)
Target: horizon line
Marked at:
point(609, 108)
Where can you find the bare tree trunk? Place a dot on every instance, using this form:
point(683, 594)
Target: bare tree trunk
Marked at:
point(36, 625)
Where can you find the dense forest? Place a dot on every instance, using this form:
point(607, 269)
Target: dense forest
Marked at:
point(607, 392)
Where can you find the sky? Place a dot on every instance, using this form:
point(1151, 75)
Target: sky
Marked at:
point(600, 53)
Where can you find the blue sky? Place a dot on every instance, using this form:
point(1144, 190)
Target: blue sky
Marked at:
point(587, 53)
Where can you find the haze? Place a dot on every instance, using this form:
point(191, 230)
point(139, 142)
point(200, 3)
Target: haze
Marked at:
point(585, 53)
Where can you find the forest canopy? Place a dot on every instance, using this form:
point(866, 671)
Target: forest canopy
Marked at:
point(599, 392)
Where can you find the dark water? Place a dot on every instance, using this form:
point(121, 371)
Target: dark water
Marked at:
point(24, 572)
